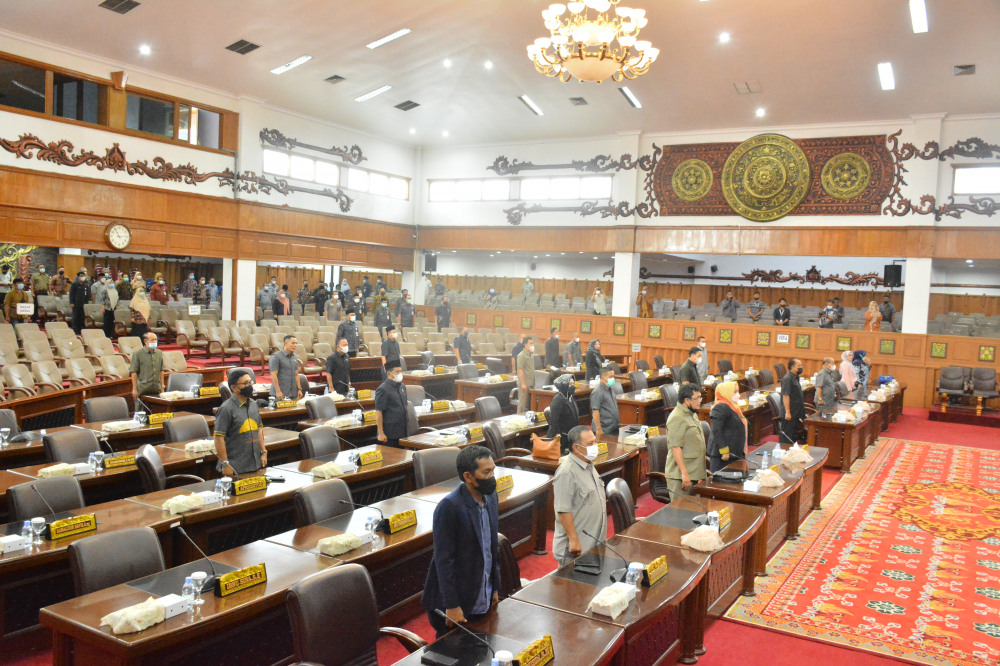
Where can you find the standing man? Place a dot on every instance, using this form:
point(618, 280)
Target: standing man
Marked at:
point(358, 306)
point(792, 401)
point(443, 314)
point(390, 405)
point(552, 357)
point(516, 351)
point(382, 318)
point(828, 315)
point(59, 285)
point(16, 296)
point(338, 369)
point(147, 369)
point(348, 330)
point(159, 292)
point(427, 287)
point(6, 281)
point(579, 499)
point(390, 347)
point(782, 314)
point(366, 288)
point(689, 370)
point(187, 288)
point(887, 309)
point(574, 353)
point(462, 346)
point(211, 292)
point(405, 313)
point(380, 284)
point(600, 302)
point(238, 440)
point(528, 288)
point(839, 308)
point(199, 293)
point(402, 299)
point(826, 380)
point(604, 404)
point(284, 367)
point(730, 306)
point(464, 576)
point(525, 374)
point(755, 308)
point(79, 295)
point(265, 298)
point(102, 297)
point(645, 309)
point(440, 287)
point(39, 286)
point(686, 463)
point(319, 299)
point(703, 361)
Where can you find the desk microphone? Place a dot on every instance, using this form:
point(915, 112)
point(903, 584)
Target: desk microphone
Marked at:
point(614, 574)
point(383, 524)
point(41, 497)
point(697, 520)
point(468, 631)
point(209, 582)
point(451, 408)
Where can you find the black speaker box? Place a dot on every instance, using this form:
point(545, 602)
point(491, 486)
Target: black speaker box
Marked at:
point(430, 263)
point(893, 276)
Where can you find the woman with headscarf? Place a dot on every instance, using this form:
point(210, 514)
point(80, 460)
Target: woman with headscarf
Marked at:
point(873, 318)
point(594, 360)
point(564, 414)
point(282, 304)
point(139, 311)
point(345, 288)
point(847, 374)
point(862, 366)
point(729, 427)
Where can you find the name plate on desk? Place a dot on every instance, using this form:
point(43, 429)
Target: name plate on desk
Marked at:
point(805, 447)
point(654, 431)
point(505, 482)
point(775, 468)
point(209, 391)
point(400, 521)
point(538, 653)
point(440, 369)
point(602, 448)
point(365, 394)
point(476, 432)
point(252, 484)
point(67, 527)
point(119, 461)
point(480, 366)
point(369, 457)
point(241, 579)
point(369, 417)
point(540, 417)
point(440, 405)
point(284, 404)
point(648, 373)
point(654, 571)
point(725, 518)
point(158, 419)
point(505, 377)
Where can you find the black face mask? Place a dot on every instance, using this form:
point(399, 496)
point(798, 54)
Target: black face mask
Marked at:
point(486, 487)
point(798, 371)
point(567, 389)
point(247, 391)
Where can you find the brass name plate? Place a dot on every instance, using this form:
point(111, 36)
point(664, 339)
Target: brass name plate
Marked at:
point(241, 579)
point(440, 405)
point(119, 461)
point(400, 521)
point(725, 518)
point(655, 571)
point(67, 527)
point(602, 448)
point(505, 482)
point(207, 391)
point(284, 404)
point(370, 417)
point(653, 432)
point(251, 484)
point(476, 432)
point(440, 369)
point(538, 653)
point(158, 419)
point(369, 457)
point(365, 394)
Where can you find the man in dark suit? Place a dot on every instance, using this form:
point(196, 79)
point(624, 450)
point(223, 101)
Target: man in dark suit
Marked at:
point(464, 576)
point(338, 369)
point(793, 403)
point(462, 346)
point(390, 405)
point(782, 314)
point(689, 370)
point(552, 357)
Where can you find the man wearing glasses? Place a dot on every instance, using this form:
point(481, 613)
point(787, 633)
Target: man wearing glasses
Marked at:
point(238, 441)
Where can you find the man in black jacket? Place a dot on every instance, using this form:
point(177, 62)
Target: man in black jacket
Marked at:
point(515, 352)
point(552, 357)
point(338, 369)
point(79, 295)
point(462, 346)
point(390, 406)
point(464, 577)
point(443, 314)
point(390, 347)
point(782, 314)
point(689, 370)
point(793, 403)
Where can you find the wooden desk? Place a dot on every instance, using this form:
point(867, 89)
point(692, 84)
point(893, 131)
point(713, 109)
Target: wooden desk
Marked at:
point(31, 579)
point(621, 461)
point(846, 442)
point(365, 434)
point(631, 409)
point(664, 622)
point(514, 439)
point(61, 408)
point(282, 446)
point(206, 405)
point(577, 641)
point(732, 572)
point(542, 398)
point(811, 492)
point(470, 389)
point(248, 627)
point(438, 386)
point(21, 454)
point(653, 381)
point(371, 483)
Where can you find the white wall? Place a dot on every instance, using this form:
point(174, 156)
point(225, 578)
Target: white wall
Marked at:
point(574, 267)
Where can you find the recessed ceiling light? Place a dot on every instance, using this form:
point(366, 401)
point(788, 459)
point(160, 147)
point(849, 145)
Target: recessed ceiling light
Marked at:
point(724, 38)
point(488, 64)
point(445, 134)
point(388, 38)
point(289, 65)
point(562, 253)
point(761, 112)
point(630, 97)
point(536, 256)
point(413, 130)
point(145, 50)
point(447, 62)
point(368, 96)
point(581, 253)
point(885, 76)
point(454, 250)
point(531, 105)
point(968, 261)
point(548, 255)
point(918, 15)
point(595, 258)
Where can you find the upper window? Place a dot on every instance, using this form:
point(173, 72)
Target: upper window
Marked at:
point(531, 189)
point(150, 115)
point(199, 127)
point(76, 99)
point(300, 167)
point(977, 180)
point(22, 87)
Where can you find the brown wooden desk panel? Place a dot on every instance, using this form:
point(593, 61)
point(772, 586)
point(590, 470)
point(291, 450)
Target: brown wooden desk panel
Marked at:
point(437, 386)
point(631, 409)
point(205, 406)
point(373, 482)
point(470, 389)
point(811, 492)
point(845, 442)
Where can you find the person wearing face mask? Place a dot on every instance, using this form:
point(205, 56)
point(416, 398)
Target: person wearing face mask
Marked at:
point(443, 314)
point(159, 293)
point(139, 313)
point(198, 295)
point(644, 303)
point(304, 297)
point(491, 299)
point(574, 353)
point(826, 381)
point(265, 298)
point(464, 576)
point(284, 367)
point(463, 346)
point(338, 369)
point(600, 302)
point(703, 361)
point(6, 280)
point(390, 405)
point(320, 297)
point(440, 288)
point(282, 304)
point(688, 373)
point(390, 346)
point(146, 368)
point(39, 286)
point(102, 297)
point(404, 294)
point(553, 359)
point(238, 441)
point(11, 300)
point(123, 287)
point(887, 310)
point(357, 306)
point(79, 295)
point(516, 351)
point(211, 292)
point(366, 288)
point(59, 284)
point(187, 287)
point(578, 498)
point(528, 288)
point(427, 287)
point(383, 320)
point(525, 374)
point(729, 427)
point(564, 414)
point(594, 360)
point(405, 313)
point(685, 465)
point(379, 298)
point(604, 405)
point(793, 403)
point(380, 284)
point(350, 331)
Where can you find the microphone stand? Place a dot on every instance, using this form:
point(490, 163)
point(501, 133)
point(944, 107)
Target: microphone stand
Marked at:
point(614, 574)
point(697, 520)
point(209, 582)
point(383, 524)
point(42, 497)
point(441, 613)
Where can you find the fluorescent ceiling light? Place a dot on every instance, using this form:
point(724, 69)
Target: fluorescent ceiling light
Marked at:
point(968, 261)
point(388, 38)
point(885, 76)
point(289, 65)
point(144, 49)
point(918, 15)
point(761, 112)
point(531, 105)
point(447, 62)
point(724, 37)
point(413, 130)
point(445, 134)
point(368, 96)
point(488, 65)
point(630, 97)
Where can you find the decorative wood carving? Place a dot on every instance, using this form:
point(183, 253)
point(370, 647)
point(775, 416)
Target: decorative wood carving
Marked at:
point(504, 167)
point(252, 183)
point(516, 214)
point(279, 140)
point(973, 147)
point(812, 276)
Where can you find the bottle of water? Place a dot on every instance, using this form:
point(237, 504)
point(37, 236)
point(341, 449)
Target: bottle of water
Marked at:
point(187, 591)
point(765, 461)
point(218, 488)
point(271, 402)
point(634, 575)
point(27, 534)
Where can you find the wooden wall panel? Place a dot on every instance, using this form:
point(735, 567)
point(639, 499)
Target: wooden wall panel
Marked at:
point(355, 278)
point(966, 243)
point(561, 239)
point(293, 277)
point(294, 222)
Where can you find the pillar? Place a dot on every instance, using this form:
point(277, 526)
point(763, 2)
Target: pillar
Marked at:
point(411, 278)
point(626, 284)
point(246, 289)
point(227, 289)
point(916, 295)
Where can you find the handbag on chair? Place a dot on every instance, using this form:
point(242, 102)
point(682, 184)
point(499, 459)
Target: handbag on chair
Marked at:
point(546, 449)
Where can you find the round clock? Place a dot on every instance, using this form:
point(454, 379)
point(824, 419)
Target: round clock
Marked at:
point(117, 236)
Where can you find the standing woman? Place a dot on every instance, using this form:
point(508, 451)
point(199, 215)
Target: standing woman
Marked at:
point(282, 304)
point(139, 311)
point(873, 318)
point(594, 360)
point(847, 374)
point(729, 427)
point(862, 367)
point(564, 414)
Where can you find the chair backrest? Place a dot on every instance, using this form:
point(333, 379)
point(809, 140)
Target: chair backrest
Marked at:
point(105, 560)
point(321, 501)
point(110, 408)
point(642, 365)
point(659, 449)
point(322, 407)
point(8, 419)
point(620, 504)
point(706, 431)
point(318, 442)
point(487, 407)
point(984, 379)
point(130, 345)
point(952, 378)
point(434, 465)
point(510, 570)
point(658, 360)
point(151, 471)
point(115, 366)
point(725, 365)
point(415, 394)
point(73, 445)
point(777, 407)
point(638, 380)
point(766, 378)
point(47, 371)
point(183, 381)
point(841, 390)
point(35, 350)
point(334, 617)
point(675, 372)
point(63, 493)
point(669, 394)
point(467, 371)
point(779, 370)
point(186, 428)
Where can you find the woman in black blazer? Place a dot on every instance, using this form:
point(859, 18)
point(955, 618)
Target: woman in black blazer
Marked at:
point(594, 360)
point(729, 428)
point(564, 415)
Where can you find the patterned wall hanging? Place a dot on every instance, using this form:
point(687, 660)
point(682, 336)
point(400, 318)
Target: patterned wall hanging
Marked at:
point(763, 338)
point(585, 326)
point(802, 341)
point(887, 347)
point(726, 335)
point(939, 350)
point(689, 332)
point(765, 178)
point(470, 319)
point(525, 323)
point(619, 328)
point(987, 353)
point(497, 321)
point(556, 324)
point(654, 330)
point(843, 344)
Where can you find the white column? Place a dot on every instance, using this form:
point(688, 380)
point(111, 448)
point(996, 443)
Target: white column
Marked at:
point(626, 284)
point(916, 295)
point(227, 289)
point(418, 278)
point(246, 289)
point(410, 277)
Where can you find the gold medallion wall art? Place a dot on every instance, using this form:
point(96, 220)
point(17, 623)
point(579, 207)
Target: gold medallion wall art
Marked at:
point(692, 180)
point(766, 177)
point(845, 176)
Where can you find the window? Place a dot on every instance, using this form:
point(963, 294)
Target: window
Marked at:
point(198, 127)
point(76, 99)
point(442, 190)
point(535, 189)
point(496, 189)
point(595, 188)
point(300, 167)
point(327, 173)
point(22, 87)
point(357, 179)
point(564, 188)
point(469, 190)
point(399, 188)
point(977, 180)
point(150, 115)
point(531, 189)
point(275, 163)
point(378, 184)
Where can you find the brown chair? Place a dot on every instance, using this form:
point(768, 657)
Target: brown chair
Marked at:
point(510, 570)
point(128, 345)
point(187, 337)
point(766, 378)
point(432, 466)
point(415, 394)
point(753, 382)
point(467, 371)
point(185, 428)
point(62, 493)
point(321, 501)
point(111, 408)
point(488, 407)
point(115, 366)
point(658, 449)
point(174, 361)
point(183, 381)
point(840, 390)
point(334, 618)
point(68, 446)
point(779, 370)
point(620, 504)
point(725, 366)
point(658, 360)
point(413, 426)
point(494, 441)
point(152, 474)
point(105, 560)
point(319, 442)
point(8, 419)
point(638, 380)
point(642, 365)
point(323, 407)
point(669, 393)
point(48, 373)
point(220, 343)
point(495, 366)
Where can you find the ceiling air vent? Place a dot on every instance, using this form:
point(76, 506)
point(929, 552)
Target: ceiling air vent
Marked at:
point(407, 105)
point(119, 6)
point(578, 101)
point(336, 78)
point(748, 87)
point(242, 47)
point(965, 70)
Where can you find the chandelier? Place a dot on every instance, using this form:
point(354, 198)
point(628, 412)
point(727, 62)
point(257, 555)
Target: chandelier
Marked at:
point(581, 44)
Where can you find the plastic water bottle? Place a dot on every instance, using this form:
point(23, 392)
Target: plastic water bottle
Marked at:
point(92, 462)
point(765, 461)
point(271, 402)
point(27, 534)
point(634, 575)
point(219, 489)
point(187, 591)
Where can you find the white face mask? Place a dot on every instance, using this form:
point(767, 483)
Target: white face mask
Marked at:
point(352, 317)
point(397, 378)
point(152, 345)
point(702, 345)
point(343, 350)
point(576, 339)
point(41, 270)
point(393, 335)
point(385, 305)
point(592, 452)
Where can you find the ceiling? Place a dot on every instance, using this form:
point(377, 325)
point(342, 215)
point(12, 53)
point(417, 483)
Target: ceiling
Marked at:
point(816, 61)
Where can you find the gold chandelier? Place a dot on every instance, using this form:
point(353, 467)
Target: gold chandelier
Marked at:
point(580, 44)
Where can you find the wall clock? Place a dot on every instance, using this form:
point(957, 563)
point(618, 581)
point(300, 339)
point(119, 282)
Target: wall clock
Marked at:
point(117, 236)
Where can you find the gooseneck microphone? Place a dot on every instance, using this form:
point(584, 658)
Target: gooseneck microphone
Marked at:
point(383, 524)
point(451, 407)
point(468, 631)
point(209, 582)
point(42, 497)
point(614, 574)
point(697, 520)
